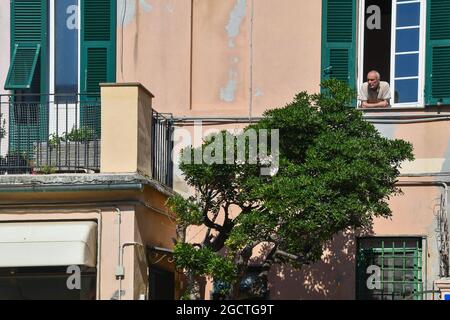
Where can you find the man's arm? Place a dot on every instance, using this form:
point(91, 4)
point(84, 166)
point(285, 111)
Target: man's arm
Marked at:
point(381, 104)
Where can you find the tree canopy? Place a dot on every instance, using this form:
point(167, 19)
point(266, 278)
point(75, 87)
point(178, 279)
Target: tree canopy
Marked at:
point(335, 172)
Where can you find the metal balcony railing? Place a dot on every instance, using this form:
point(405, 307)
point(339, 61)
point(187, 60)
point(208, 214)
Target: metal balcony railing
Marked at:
point(48, 133)
point(162, 147)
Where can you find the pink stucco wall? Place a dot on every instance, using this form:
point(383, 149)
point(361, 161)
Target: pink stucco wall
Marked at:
point(229, 57)
point(334, 276)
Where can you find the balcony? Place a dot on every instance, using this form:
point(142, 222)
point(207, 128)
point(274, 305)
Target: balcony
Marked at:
point(54, 134)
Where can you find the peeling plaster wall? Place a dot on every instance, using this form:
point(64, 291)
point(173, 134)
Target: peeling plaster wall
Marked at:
point(220, 58)
point(155, 49)
point(242, 57)
point(287, 51)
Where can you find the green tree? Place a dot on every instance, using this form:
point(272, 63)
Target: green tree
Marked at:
point(335, 172)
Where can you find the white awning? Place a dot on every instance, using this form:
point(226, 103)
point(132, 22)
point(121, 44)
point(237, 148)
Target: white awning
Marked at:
point(38, 244)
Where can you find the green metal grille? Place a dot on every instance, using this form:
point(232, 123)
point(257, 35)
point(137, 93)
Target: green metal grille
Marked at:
point(400, 263)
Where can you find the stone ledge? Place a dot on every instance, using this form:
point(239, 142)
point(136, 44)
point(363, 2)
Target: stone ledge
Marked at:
point(67, 180)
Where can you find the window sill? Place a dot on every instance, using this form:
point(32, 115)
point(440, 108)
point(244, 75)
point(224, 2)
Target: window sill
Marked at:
point(422, 109)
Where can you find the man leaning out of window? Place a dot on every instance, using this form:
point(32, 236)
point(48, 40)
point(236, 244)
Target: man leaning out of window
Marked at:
point(374, 93)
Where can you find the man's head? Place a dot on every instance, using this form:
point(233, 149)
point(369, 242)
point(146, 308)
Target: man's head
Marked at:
point(373, 79)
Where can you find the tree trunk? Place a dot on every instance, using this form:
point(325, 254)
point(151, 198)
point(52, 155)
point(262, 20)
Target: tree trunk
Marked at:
point(193, 286)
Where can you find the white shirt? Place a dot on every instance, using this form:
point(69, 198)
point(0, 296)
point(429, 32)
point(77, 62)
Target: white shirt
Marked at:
point(383, 92)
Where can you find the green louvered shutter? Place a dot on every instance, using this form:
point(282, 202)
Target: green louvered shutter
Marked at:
point(437, 90)
point(29, 29)
point(338, 40)
point(23, 66)
point(98, 44)
point(28, 73)
point(98, 56)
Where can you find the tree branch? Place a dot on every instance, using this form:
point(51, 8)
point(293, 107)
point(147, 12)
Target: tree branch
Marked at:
point(290, 256)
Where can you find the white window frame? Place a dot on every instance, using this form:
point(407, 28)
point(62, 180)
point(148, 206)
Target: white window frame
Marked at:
point(422, 51)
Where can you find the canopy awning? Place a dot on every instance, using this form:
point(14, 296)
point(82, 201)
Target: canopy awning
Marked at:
point(38, 244)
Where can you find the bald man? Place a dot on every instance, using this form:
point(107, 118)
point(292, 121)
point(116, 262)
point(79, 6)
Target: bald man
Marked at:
point(374, 93)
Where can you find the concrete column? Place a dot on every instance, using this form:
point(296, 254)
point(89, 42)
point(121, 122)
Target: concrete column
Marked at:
point(126, 128)
point(444, 287)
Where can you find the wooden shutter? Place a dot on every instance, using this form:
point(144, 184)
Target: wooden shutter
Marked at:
point(23, 66)
point(28, 30)
point(98, 44)
point(338, 40)
point(28, 72)
point(437, 90)
point(98, 57)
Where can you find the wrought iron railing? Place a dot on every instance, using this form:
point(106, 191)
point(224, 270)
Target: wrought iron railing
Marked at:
point(162, 147)
point(49, 133)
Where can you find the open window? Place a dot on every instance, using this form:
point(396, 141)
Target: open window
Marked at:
point(407, 41)
point(392, 41)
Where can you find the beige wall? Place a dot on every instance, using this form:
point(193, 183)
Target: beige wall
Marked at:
point(242, 57)
point(148, 225)
point(126, 129)
point(107, 235)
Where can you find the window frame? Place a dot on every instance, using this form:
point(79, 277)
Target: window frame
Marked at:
point(44, 273)
point(52, 46)
point(361, 77)
point(419, 239)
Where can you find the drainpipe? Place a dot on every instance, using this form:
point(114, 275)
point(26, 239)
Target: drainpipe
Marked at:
point(444, 185)
point(447, 271)
point(119, 268)
point(99, 255)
